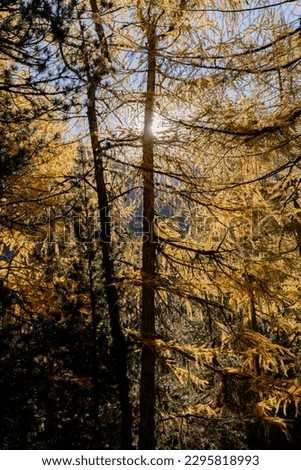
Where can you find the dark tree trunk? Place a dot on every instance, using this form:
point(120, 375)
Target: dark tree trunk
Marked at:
point(119, 342)
point(95, 358)
point(119, 348)
point(147, 438)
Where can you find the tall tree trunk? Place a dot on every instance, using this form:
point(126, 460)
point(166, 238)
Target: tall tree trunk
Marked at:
point(118, 338)
point(94, 319)
point(95, 357)
point(147, 438)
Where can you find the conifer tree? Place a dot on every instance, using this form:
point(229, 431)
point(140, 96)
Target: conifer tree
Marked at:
point(72, 32)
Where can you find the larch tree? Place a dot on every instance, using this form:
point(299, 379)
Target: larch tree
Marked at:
point(209, 89)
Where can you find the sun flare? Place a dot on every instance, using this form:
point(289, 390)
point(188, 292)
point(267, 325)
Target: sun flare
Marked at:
point(158, 125)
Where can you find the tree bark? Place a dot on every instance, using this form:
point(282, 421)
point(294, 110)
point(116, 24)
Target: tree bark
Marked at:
point(147, 438)
point(119, 342)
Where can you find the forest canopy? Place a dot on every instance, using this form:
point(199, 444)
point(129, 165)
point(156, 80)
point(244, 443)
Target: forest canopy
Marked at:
point(150, 224)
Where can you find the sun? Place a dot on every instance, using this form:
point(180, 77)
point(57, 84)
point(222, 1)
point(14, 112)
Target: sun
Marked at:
point(158, 125)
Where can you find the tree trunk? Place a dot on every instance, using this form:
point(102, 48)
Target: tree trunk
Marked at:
point(95, 357)
point(147, 438)
point(119, 342)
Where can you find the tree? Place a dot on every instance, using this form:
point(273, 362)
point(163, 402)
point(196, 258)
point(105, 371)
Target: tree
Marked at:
point(71, 31)
point(230, 136)
point(148, 316)
point(31, 163)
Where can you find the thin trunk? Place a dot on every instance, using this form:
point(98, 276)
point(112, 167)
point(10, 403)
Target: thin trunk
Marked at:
point(95, 355)
point(95, 358)
point(147, 438)
point(119, 342)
